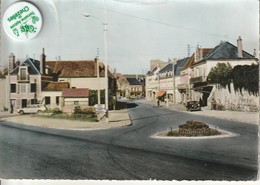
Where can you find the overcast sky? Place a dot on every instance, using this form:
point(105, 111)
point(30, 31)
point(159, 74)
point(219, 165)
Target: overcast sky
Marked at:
point(138, 30)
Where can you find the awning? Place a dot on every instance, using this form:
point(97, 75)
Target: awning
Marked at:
point(160, 93)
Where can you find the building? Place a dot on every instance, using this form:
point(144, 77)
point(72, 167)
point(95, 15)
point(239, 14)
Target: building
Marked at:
point(52, 94)
point(74, 97)
point(122, 85)
point(152, 86)
point(168, 82)
point(184, 86)
point(225, 52)
point(26, 81)
point(81, 74)
point(34, 81)
point(135, 88)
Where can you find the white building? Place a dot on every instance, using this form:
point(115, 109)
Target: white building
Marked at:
point(225, 52)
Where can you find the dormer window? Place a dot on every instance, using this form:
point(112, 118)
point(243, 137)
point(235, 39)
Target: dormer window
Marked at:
point(23, 74)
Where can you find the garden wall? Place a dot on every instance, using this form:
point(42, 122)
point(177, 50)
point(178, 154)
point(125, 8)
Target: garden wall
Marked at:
point(232, 100)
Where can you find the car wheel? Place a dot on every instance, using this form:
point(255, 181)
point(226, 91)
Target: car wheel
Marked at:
point(21, 112)
point(39, 111)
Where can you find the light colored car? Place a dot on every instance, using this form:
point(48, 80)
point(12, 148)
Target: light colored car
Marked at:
point(30, 109)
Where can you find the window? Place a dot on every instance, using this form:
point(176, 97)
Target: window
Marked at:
point(33, 87)
point(76, 102)
point(22, 73)
point(33, 101)
point(23, 88)
point(57, 100)
point(13, 88)
point(47, 100)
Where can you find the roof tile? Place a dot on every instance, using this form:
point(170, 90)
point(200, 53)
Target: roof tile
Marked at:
point(75, 93)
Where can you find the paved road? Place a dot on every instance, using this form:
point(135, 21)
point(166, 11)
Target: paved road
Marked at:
point(129, 152)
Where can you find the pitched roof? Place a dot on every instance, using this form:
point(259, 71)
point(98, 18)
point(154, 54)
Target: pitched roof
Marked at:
point(33, 67)
point(134, 75)
point(177, 67)
point(226, 50)
point(77, 68)
point(120, 78)
point(73, 68)
point(180, 65)
point(75, 93)
point(133, 81)
point(56, 86)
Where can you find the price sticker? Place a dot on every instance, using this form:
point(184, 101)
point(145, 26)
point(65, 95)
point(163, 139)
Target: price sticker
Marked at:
point(22, 21)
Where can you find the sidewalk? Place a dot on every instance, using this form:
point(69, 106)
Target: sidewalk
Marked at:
point(246, 117)
point(118, 118)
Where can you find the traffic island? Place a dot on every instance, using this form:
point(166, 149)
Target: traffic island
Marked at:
point(194, 129)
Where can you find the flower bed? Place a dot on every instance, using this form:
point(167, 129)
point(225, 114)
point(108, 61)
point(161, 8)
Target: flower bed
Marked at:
point(193, 128)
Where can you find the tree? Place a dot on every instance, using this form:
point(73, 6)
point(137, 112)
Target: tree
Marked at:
point(246, 77)
point(221, 74)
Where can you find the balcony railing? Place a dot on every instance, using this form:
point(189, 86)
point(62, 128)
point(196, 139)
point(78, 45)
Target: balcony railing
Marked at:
point(25, 78)
point(197, 79)
point(182, 86)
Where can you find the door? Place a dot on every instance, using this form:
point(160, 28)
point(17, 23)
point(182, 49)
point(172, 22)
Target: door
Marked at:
point(24, 103)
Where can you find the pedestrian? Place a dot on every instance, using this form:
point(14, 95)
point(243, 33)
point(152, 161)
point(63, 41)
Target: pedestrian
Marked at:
point(12, 108)
point(158, 103)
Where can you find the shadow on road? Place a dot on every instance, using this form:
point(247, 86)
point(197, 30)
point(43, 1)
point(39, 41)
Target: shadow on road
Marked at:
point(125, 105)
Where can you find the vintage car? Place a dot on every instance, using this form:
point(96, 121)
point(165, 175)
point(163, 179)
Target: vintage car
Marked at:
point(193, 105)
point(30, 109)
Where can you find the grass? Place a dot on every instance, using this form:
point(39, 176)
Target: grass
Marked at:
point(80, 117)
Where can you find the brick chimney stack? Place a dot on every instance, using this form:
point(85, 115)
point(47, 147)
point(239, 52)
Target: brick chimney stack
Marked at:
point(239, 48)
point(42, 62)
point(11, 62)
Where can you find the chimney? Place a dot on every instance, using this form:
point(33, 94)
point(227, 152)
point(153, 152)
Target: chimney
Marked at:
point(201, 53)
point(42, 62)
point(11, 62)
point(197, 54)
point(17, 63)
point(239, 48)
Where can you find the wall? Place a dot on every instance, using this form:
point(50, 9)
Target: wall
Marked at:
point(28, 95)
point(3, 93)
point(52, 95)
point(91, 83)
point(234, 100)
point(69, 104)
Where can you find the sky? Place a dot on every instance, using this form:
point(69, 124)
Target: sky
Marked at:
point(138, 30)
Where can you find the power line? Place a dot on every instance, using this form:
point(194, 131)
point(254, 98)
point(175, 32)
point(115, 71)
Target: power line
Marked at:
point(163, 23)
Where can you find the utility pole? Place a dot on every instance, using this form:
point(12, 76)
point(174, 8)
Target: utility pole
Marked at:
point(98, 76)
point(106, 65)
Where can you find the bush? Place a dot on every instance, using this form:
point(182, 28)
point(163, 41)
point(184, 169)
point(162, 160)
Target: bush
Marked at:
point(77, 110)
point(56, 110)
point(87, 110)
point(194, 125)
point(193, 128)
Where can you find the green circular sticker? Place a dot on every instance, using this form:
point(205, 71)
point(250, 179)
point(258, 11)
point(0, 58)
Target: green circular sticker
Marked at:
point(22, 21)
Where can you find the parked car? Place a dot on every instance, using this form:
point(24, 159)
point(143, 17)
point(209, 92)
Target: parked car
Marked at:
point(193, 105)
point(32, 109)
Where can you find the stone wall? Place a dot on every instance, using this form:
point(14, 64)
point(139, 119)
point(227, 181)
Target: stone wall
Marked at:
point(231, 100)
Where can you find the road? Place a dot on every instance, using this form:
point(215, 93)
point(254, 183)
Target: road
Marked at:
point(129, 153)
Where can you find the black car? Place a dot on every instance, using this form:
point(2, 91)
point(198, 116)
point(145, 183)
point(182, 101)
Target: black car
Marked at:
point(193, 105)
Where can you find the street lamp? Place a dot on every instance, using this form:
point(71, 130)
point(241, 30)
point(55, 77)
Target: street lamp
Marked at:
point(173, 81)
point(105, 62)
